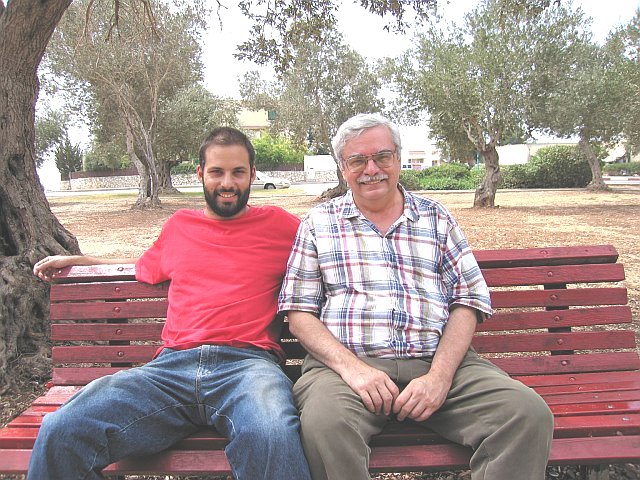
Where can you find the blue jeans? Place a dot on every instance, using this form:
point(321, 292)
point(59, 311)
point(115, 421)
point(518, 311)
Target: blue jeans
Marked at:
point(243, 393)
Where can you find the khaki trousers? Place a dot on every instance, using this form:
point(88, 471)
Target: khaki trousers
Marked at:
point(508, 426)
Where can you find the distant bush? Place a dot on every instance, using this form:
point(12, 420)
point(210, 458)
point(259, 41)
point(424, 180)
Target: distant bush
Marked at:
point(631, 168)
point(448, 176)
point(410, 179)
point(457, 171)
point(516, 176)
point(185, 167)
point(560, 166)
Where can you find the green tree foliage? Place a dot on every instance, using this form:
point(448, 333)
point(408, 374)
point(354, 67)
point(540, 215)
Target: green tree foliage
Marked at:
point(127, 72)
point(628, 42)
point(281, 27)
point(50, 132)
point(276, 150)
point(485, 77)
point(326, 84)
point(68, 158)
point(591, 101)
point(106, 156)
point(186, 118)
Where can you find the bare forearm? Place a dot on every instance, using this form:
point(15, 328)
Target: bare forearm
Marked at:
point(454, 344)
point(320, 342)
point(47, 267)
point(374, 387)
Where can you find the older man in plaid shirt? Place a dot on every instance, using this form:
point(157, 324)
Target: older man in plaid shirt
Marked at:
point(384, 292)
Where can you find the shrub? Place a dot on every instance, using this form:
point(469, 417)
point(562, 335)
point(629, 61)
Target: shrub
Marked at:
point(410, 179)
point(516, 176)
point(456, 171)
point(448, 176)
point(631, 168)
point(443, 183)
point(559, 166)
point(185, 167)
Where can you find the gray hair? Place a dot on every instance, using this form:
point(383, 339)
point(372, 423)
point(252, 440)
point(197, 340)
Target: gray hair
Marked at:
point(358, 124)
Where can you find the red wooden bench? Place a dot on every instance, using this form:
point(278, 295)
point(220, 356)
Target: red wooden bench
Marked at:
point(562, 326)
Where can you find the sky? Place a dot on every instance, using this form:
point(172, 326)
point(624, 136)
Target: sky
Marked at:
point(364, 33)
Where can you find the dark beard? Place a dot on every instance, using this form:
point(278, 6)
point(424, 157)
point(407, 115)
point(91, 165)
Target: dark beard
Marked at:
point(228, 210)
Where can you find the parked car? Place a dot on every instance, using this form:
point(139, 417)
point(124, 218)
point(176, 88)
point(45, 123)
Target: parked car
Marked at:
point(266, 182)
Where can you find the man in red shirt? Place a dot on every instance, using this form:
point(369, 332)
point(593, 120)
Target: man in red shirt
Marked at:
point(219, 363)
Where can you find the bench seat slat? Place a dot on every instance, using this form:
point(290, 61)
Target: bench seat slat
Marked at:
point(503, 277)
point(596, 408)
point(593, 397)
point(590, 387)
point(577, 379)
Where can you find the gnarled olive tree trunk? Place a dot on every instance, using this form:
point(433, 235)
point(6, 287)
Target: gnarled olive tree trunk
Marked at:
point(597, 182)
point(28, 229)
point(485, 195)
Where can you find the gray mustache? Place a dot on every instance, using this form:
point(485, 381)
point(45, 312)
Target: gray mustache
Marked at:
point(372, 178)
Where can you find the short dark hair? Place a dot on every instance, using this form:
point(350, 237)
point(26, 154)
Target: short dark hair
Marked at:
point(227, 136)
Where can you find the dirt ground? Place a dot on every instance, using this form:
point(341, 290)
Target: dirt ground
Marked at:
point(106, 226)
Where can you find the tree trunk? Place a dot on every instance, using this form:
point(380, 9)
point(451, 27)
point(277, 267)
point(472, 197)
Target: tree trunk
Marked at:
point(336, 191)
point(597, 183)
point(486, 193)
point(164, 178)
point(148, 182)
point(28, 229)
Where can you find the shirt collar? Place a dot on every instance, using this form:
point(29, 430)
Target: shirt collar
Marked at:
point(347, 207)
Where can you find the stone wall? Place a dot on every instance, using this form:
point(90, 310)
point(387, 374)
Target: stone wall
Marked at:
point(184, 180)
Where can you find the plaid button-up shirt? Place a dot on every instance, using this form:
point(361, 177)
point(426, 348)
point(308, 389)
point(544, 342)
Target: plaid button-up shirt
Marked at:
point(383, 295)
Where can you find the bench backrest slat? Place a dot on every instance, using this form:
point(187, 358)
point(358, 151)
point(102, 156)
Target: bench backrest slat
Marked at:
point(529, 257)
point(575, 317)
point(106, 331)
point(504, 277)
point(105, 310)
point(103, 353)
point(559, 297)
point(108, 288)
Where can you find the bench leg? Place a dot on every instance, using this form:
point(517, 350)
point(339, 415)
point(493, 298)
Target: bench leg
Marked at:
point(594, 472)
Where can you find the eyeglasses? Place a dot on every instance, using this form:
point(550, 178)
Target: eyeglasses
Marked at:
point(357, 163)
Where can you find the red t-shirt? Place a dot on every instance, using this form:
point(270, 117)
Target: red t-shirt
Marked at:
point(225, 276)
